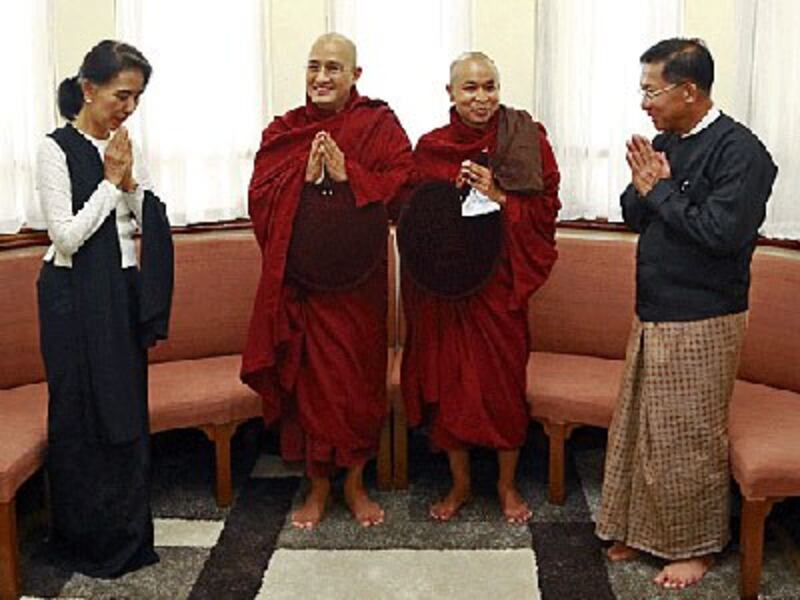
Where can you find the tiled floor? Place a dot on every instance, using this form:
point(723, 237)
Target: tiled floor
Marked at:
point(251, 551)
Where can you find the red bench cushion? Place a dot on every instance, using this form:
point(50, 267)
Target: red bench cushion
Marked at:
point(586, 305)
point(23, 435)
point(20, 360)
point(765, 440)
point(187, 393)
point(567, 388)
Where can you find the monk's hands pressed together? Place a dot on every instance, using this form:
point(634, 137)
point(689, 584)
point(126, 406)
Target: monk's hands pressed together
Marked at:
point(647, 165)
point(334, 159)
point(118, 158)
point(315, 159)
point(325, 156)
point(480, 178)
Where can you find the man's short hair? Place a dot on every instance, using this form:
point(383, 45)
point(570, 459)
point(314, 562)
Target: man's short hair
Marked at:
point(684, 60)
point(472, 55)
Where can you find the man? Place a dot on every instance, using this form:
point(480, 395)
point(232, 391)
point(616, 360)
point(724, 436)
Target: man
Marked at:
point(697, 197)
point(318, 357)
point(464, 359)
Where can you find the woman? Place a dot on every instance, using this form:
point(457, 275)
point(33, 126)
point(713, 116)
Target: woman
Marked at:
point(98, 314)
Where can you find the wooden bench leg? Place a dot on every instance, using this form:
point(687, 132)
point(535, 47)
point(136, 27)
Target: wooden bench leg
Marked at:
point(557, 434)
point(751, 540)
point(399, 443)
point(385, 456)
point(10, 577)
point(221, 436)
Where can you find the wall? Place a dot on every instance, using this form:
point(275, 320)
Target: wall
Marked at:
point(713, 22)
point(510, 43)
point(295, 24)
point(77, 31)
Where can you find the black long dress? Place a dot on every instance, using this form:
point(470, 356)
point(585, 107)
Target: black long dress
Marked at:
point(96, 321)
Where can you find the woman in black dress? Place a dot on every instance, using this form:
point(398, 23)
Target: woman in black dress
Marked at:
point(98, 313)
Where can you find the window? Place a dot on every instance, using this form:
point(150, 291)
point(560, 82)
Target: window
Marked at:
point(405, 49)
point(774, 93)
point(201, 117)
point(27, 108)
point(587, 76)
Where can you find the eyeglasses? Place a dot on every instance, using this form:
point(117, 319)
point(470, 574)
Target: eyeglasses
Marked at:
point(330, 69)
point(653, 94)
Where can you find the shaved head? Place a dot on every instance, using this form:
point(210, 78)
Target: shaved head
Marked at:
point(345, 43)
point(456, 67)
point(331, 72)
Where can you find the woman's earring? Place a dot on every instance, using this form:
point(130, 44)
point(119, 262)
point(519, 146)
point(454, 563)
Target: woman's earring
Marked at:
point(87, 100)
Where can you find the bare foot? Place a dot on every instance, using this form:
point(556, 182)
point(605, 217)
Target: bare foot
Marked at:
point(366, 511)
point(310, 513)
point(515, 509)
point(620, 552)
point(448, 507)
point(683, 573)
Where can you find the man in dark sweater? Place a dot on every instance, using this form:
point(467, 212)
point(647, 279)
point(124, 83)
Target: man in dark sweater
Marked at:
point(697, 197)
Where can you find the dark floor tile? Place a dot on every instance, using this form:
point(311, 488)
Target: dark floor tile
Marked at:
point(236, 565)
point(570, 562)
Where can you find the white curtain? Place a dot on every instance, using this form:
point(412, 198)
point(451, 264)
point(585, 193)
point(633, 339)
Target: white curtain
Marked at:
point(200, 120)
point(405, 49)
point(587, 78)
point(774, 96)
point(27, 108)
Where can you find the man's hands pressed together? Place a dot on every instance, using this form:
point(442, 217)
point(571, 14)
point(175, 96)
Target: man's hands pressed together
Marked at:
point(647, 165)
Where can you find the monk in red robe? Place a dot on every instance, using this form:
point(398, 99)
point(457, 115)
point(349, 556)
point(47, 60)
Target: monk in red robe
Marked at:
point(464, 360)
point(318, 358)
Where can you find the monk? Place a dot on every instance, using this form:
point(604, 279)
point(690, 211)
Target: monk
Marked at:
point(464, 360)
point(318, 358)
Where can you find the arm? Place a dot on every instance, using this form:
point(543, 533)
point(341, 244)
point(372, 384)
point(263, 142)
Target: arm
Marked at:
point(382, 180)
point(647, 167)
point(723, 214)
point(69, 232)
point(546, 201)
point(531, 225)
point(279, 169)
point(635, 211)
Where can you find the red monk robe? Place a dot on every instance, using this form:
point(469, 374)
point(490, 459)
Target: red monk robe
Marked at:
point(318, 359)
point(464, 360)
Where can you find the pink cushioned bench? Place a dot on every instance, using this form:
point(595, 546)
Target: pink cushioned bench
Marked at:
point(193, 380)
point(193, 376)
point(579, 322)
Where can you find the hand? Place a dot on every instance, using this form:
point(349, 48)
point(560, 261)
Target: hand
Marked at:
point(334, 159)
point(128, 183)
point(480, 178)
point(118, 158)
point(647, 165)
point(315, 159)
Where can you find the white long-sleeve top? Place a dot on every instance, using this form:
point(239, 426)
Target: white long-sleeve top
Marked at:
point(68, 231)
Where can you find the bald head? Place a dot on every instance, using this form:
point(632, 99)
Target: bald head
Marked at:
point(331, 72)
point(461, 64)
point(474, 89)
point(344, 45)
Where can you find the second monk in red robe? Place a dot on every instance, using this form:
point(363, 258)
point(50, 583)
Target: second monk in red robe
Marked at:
point(464, 360)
